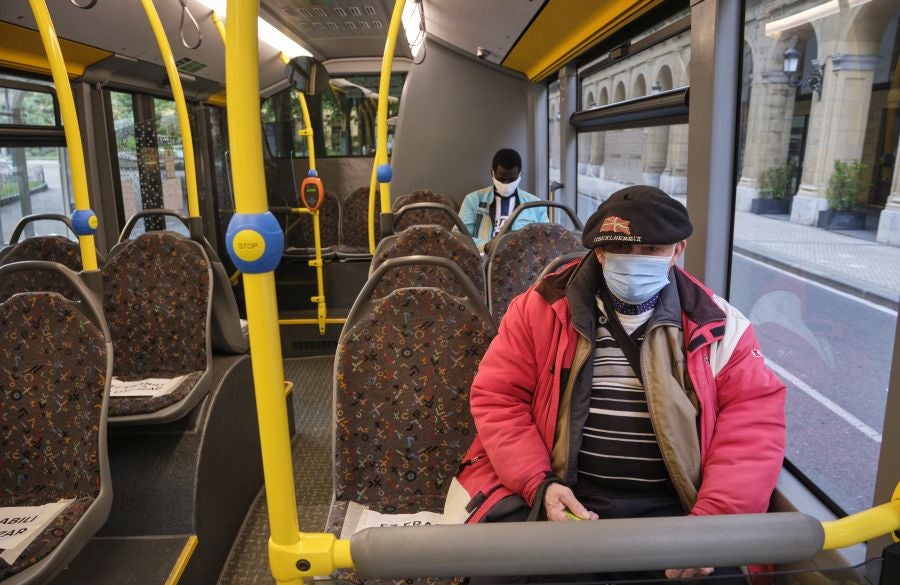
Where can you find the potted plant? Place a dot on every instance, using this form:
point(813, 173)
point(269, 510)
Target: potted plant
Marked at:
point(845, 188)
point(774, 190)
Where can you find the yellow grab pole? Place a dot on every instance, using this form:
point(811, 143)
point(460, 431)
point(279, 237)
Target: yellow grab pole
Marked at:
point(190, 171)
point(255, 244)
point(319, 299)
point(865, 525)
point(372, 185)
point(245, 137)
point(384, 85)
point(220, 26)
point(84, 219)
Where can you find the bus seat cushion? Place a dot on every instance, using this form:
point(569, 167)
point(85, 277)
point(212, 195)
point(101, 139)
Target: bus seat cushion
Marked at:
point(130, 405)
point(49, 539)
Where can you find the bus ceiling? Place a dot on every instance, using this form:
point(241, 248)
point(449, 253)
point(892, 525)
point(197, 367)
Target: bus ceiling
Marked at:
point(112, 43)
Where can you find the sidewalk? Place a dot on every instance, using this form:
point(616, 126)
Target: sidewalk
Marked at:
point(860, 267)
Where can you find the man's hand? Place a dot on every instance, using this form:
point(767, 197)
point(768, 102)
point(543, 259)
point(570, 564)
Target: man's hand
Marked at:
point(558, 498)
point(688, 573)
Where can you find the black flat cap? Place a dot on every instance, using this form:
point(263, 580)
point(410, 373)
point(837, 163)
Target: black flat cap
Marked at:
point(639, 214)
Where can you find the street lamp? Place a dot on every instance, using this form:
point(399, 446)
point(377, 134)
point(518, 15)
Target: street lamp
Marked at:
point(795, 77)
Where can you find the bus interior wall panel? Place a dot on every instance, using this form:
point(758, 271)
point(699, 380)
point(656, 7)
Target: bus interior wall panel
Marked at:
point(455, 113)
point(177, 470)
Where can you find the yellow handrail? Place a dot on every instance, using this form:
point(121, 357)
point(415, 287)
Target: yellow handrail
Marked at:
point(190, 172)
point(381, 156)
point(74, 147)
point(865, 525)
point(220, 26)
point(292, 555)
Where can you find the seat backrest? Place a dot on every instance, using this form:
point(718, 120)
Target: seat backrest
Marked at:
point(157, 297)
point(47, 248)
point(558, 262)
point(355, 220)
point(403, 370)
point(300, 232)
point(54, 389)
point(517, 259)
point(423, 216)
point(428, 240)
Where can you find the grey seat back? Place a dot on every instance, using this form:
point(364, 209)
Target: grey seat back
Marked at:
point(157, 295)
point(54, 389)
point(428, 240)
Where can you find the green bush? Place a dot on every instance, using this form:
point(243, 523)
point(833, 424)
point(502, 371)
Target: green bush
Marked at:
point(847, 185)
point(775, 183)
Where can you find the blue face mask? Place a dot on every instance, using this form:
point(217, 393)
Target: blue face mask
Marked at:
point(634, 278)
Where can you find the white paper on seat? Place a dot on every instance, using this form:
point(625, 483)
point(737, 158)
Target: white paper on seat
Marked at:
point(146, 387)
point(360, 517)
point(20, 525)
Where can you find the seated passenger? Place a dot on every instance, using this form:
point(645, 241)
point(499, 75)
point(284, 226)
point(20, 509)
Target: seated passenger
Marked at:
point(486, 210)
point(621, 387)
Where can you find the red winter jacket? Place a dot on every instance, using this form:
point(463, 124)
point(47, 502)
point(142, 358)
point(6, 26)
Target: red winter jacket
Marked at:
point(545, 340)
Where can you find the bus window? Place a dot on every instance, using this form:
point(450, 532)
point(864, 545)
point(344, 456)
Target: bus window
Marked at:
point(150, 157)
point(817, 179)
point(657, 62)
point(343, 118)
point(34, 177)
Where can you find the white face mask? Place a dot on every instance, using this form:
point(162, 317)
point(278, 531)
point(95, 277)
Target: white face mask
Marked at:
point(505, 189)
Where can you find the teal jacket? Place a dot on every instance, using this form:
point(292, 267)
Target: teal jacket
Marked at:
point(477, 214)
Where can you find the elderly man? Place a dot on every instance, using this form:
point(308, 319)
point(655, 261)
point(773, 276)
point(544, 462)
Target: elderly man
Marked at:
point(621, 387)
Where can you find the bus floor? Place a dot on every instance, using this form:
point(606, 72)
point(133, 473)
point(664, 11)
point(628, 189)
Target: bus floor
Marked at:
point(313, 378)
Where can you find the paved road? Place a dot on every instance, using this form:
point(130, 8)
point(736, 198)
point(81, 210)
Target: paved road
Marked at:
point(833, 351)
point(49, 201)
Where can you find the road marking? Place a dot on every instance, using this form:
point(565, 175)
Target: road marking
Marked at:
point(824, 401)
point(806, 279)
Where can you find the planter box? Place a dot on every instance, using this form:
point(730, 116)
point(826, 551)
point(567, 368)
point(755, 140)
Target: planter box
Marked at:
point(764, 205)
point(841, 220)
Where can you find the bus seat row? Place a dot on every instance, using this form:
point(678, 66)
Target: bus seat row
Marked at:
point(159, 297)
point(403, 369)
point(55, 372)
point(343, 225)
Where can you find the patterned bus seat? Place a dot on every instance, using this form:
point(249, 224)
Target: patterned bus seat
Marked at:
point(355, 225)
point(54, 384)
point(49, 248)
point(423, 216)
point(403, 370)
point(428, 240)
point(157, 295)
point(299, 236)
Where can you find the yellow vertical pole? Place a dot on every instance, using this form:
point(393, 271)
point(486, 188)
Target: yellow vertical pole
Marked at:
point(190, 172)
point(245, 137)
point(88, 221)
point(373, 184)
point(220, 26)
point(319, 299)
point(381, 156)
